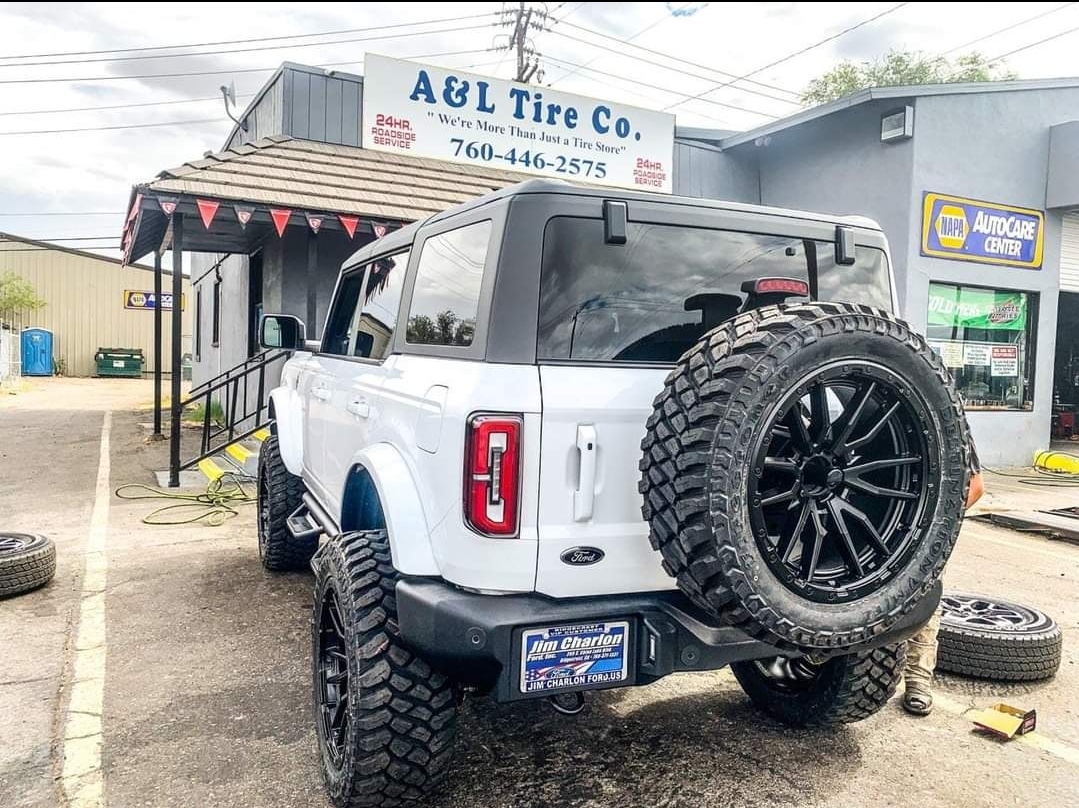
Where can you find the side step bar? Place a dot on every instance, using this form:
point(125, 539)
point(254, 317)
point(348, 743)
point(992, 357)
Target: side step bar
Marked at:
point(310, 519)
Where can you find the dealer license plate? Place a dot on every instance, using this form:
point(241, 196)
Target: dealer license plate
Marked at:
point(567, 657)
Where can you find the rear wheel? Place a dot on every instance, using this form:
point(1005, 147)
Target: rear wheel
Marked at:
point(802, 693)
point(385, 719)
point(280, 492)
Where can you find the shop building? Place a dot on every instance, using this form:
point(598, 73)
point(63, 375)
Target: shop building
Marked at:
point(975, 185)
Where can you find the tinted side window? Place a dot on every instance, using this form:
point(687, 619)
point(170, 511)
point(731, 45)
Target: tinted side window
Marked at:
point(382, 286)
point(342, 313)
point(446, 300)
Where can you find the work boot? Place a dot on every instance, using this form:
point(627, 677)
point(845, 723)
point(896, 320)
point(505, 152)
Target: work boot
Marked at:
point(918, 675)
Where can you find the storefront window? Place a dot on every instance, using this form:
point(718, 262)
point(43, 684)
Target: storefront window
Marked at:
point(984, 336)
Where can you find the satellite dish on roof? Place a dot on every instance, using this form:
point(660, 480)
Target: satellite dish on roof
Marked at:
point(229, 94)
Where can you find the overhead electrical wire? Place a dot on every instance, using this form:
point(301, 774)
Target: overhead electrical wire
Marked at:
point(252, 39)
point(686, 62)
point(64, 213)
point(1033, 45)
point(216, 98)
point(665, 67)
point(789, 56)
point(1008, 28)
point(118, 126)
point(90, 79)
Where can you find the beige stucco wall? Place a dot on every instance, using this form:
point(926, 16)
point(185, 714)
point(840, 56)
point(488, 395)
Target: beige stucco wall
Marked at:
point(85, 304)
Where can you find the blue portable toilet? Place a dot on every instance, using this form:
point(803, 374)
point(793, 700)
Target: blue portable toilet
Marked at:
point(36, 352)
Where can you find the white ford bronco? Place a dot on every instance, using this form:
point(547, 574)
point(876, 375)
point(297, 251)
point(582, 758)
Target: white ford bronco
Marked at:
point(560, 439)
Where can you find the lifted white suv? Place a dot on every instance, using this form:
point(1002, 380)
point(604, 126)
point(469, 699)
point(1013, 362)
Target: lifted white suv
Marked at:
point(560, 439)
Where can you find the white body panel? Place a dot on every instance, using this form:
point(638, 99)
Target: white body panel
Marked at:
point(589, 497)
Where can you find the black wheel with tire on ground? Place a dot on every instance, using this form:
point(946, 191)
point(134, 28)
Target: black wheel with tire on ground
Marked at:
point(804, 473)
point(802, 693)
point(385, 719)
point(993, 638)
point(279, 494)
point(27, 561)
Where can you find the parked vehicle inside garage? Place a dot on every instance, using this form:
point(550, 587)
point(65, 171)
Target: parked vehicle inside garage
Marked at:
point(557, 440)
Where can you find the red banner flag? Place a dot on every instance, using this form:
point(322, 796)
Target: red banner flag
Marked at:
point(380, 230)
point(349, 223)
point(207, 210)
point(280, 219)
point(167, 205)
point(314, 221)
point(243, 215)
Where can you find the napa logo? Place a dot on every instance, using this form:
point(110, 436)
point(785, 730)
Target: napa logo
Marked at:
point(952, 227)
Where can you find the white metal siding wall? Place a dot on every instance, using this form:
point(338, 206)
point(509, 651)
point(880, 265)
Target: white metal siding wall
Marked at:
point(84, 304)
point(1069, 253)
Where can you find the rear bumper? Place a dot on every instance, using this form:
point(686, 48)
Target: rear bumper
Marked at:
point(477, 638)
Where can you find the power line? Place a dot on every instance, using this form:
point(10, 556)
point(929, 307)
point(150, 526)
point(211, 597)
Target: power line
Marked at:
point(239, 50)
point(244, 70)
point(682, 61)
point(1009, 27)
point(669, 67)
point(1034, 44)
point(668, 90)
point(790, 56)
point(112, 128)
point(246, 41)
point(65, 213)
point(649, 27)
point(68, 238)
point(216, 98)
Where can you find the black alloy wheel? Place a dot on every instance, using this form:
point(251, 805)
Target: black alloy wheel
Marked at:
point(332, 673)
point(987, 612)
point(842, 478)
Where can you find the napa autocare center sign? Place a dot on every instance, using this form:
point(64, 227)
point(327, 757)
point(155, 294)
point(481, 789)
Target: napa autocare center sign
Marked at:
point(447, 114)
point(983, 232)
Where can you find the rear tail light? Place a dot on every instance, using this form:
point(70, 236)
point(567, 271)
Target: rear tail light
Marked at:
point(493, 474)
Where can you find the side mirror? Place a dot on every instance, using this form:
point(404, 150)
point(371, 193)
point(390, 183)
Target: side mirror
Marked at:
point(282, 331)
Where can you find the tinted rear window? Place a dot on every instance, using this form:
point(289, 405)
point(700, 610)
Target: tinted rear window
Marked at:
point(628, 302)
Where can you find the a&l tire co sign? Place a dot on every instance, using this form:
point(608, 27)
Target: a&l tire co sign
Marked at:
point(426, 111)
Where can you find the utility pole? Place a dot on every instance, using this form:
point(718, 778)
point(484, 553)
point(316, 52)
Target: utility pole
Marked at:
point(522, 19)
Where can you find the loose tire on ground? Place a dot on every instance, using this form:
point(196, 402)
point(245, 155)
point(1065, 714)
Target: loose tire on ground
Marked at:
point(279, 494)
point(992, 638)
point(762, 449)
point(842, 690)
point(385, 719)
point(27, 561)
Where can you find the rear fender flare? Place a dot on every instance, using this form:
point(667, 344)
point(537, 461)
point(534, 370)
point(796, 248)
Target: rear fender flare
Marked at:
point(402, 507)
point(286, 410)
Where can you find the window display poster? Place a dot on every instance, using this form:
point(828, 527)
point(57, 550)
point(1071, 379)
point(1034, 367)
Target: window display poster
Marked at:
point(976, 353)
point(950, 352)
point(1004, 360)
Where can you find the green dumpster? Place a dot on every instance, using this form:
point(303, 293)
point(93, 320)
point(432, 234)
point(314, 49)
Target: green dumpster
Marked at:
point(124, 362)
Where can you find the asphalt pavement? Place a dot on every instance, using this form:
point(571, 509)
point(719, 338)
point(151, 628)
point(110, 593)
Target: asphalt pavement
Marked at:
point(206, 682)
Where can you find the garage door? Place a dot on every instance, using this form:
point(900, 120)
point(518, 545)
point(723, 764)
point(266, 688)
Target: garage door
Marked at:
point(1069, 253)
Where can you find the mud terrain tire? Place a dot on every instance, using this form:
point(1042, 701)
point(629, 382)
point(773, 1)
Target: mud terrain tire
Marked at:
point(804, 473)
point(279, 494)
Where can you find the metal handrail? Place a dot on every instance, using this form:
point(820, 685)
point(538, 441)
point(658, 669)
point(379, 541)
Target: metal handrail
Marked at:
point(232, 387)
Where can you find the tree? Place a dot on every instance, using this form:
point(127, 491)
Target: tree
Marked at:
point(421, 329)
point(897, 68)
point(17, 296)
point(444, 322)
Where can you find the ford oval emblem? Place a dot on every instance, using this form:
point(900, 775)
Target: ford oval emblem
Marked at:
point(582, 556)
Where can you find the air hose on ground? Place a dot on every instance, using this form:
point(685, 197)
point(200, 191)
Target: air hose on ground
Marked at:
point(213, 507)
point(1051, 469)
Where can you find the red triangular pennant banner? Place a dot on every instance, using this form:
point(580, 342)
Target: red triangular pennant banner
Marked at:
point(207, 210)
point(134, 207)
point(380, 230)
point(349, 223)
point(167, 205)
point(243, 215)
point(280, 219)
point(314, 221)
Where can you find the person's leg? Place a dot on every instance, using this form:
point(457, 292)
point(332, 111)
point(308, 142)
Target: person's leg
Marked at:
point(921, 660)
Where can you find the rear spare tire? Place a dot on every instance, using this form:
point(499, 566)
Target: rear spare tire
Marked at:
point(804, 473)
point(993, 638)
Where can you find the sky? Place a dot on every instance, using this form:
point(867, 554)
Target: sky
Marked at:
point(594, 49)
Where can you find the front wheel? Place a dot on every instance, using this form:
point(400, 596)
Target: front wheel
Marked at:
point(385, 719)
point(841, 690)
